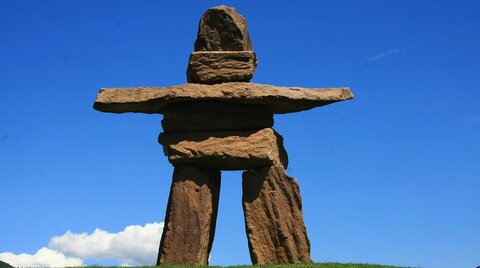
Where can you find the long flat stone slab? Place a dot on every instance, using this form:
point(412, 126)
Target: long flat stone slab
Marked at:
point(281, 100)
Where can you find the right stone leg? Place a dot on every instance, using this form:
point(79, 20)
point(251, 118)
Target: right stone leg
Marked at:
point(191, 216)
point(273, 217)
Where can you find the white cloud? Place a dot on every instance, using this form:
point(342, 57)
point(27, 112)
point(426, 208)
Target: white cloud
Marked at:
point(44, 257)
point(386, 53)
point(135, 245)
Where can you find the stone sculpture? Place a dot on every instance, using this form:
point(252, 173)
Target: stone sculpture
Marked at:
point(221, 121)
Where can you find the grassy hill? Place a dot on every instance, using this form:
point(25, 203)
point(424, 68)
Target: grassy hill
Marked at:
point(322, 265)
point(5, 265)
point(315, 265)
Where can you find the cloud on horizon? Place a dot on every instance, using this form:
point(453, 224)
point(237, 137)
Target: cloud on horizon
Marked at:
point(386, 53)
point(135, 245)
point(44, 257)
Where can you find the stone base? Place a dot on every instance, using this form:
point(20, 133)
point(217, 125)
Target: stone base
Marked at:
point(273, 217)
point(191, 217)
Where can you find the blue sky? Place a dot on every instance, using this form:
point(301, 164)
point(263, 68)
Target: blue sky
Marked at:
point(391, 177)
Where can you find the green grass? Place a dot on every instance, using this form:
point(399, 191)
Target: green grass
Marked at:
point(321, 265)
point(315, 265)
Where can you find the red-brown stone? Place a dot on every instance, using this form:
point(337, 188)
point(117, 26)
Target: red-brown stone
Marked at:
point(273, 217)
point(222, 29)
point(191, 216)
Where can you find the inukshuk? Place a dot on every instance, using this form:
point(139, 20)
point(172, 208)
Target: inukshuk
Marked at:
point(220, 121)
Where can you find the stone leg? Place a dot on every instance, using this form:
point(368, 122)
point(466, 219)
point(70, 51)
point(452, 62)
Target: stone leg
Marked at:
point(191, 216)
point(273, 217)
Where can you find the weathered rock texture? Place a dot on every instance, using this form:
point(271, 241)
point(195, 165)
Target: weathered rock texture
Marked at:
point(215, 116)
point(220, 121)
point(221, 66)
point(273, 217)
point(234, 150)
point(191, 216)
point(222, 28)
point(279, 99)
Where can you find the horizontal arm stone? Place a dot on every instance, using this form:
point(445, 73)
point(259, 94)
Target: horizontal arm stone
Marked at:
point(155, 99)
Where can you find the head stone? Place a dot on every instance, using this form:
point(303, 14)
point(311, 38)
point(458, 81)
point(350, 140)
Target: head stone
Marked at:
point(222, 29)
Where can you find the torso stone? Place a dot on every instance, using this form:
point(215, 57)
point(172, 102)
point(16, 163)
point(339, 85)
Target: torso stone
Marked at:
point(215, 116)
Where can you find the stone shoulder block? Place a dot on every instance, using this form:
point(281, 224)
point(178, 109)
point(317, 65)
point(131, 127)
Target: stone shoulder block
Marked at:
point(226, 150)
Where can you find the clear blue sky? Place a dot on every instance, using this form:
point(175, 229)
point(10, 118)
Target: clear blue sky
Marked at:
point(391, 177)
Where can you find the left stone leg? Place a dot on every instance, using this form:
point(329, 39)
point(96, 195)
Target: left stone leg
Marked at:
point(191, 216)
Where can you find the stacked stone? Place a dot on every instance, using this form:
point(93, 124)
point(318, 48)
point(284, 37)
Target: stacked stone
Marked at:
point(221, 121)
point(208, 136)
point(223, 50)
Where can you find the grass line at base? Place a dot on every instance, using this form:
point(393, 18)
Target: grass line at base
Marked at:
point(314, 265)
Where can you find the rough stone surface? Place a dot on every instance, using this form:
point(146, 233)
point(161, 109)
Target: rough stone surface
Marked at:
point(222, 29)
point(191, 216)
point(221, 66)
point(273, 217)
point(279, 99)
point(234, 150)
point(220, 121)
point(215, 116)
